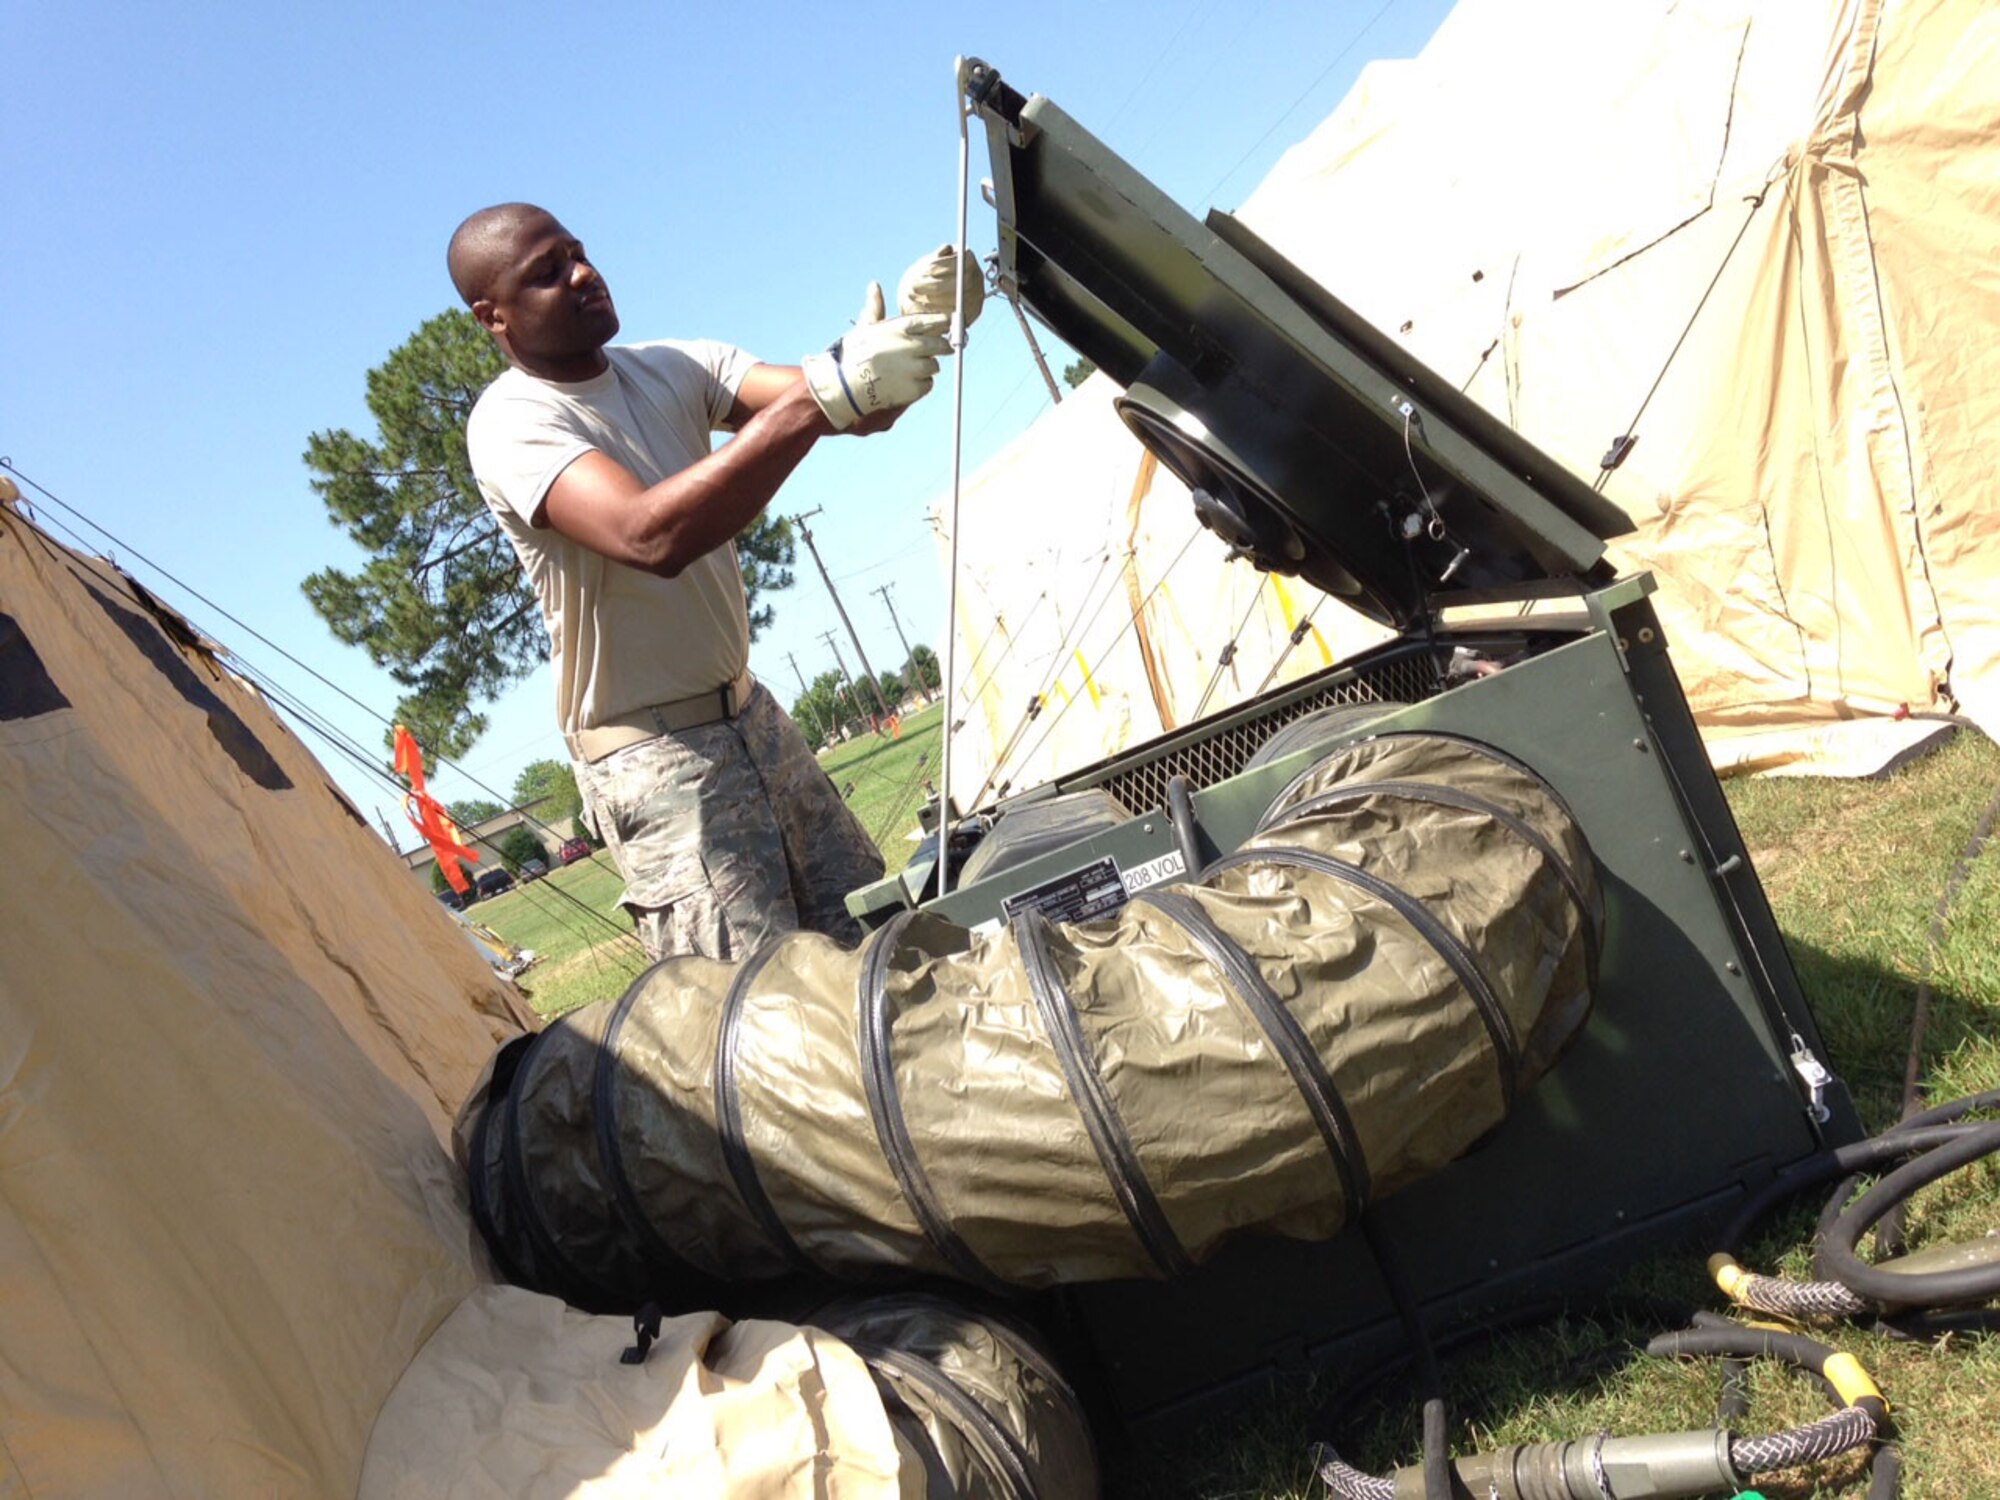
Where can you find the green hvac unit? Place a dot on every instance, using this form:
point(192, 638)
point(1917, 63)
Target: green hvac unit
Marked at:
point(1314, 444)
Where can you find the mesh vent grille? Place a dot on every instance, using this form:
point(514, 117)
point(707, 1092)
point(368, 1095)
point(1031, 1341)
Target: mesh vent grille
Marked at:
point(1217, 757)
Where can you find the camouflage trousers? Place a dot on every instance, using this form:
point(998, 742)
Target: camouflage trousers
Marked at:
point(729, 834)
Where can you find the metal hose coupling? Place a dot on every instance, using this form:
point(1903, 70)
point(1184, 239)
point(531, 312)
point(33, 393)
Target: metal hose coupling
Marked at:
point(1593, 1468)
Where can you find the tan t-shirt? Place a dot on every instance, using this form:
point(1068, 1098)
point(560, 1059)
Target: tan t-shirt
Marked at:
point(619, 639)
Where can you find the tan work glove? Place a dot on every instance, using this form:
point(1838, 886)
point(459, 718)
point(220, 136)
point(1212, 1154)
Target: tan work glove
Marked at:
point(879, 364)
point(926, 286)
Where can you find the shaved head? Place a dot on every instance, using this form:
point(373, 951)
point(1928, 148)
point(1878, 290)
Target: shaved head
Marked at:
point(484, 244)
point(529, 283)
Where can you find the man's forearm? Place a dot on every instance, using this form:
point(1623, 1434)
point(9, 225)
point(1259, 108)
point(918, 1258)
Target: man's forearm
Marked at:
point(690, 514)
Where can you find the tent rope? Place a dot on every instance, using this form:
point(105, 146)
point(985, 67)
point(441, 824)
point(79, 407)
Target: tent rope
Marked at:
point(264, 685)
point(1080, 623)
point(1299, 632)
point(1622, 444)
point(1094, 668)
point(1228, 652)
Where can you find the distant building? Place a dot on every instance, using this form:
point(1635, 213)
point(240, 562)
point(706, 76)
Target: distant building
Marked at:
point(487, 837)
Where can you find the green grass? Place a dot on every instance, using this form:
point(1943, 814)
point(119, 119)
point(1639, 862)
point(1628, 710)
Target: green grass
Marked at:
point(571, 918)
point(883, 780)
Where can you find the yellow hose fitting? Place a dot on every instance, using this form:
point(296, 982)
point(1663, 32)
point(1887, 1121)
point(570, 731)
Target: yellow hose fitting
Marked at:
point(1726, 1273)
point(1853, 1384)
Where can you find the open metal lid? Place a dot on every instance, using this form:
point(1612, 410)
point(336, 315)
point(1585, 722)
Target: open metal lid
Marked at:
point(1311, 440)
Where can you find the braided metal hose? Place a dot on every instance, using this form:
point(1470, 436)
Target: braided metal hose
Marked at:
point(1658, 1465)
point(1834, 1434)
point(1348, 1482)
point(1801, 1301)
point(1929, 1145)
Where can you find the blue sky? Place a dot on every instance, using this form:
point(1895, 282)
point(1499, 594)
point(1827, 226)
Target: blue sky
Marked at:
point(224, 215)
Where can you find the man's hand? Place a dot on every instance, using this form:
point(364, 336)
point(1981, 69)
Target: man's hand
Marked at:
point(880, 365)
point(927, 286)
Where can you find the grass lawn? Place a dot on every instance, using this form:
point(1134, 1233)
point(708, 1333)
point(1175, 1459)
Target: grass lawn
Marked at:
point(883, 780)
point(1856, 871)
point(572, 919)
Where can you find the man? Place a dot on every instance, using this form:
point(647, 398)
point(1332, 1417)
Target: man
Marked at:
point(597, 460)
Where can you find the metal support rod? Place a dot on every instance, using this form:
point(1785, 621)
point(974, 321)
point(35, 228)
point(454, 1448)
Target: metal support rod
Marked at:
point(841, 609)
point(957, 464)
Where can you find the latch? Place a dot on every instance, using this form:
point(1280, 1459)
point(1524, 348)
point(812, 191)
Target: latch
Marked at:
point(1814, 1075)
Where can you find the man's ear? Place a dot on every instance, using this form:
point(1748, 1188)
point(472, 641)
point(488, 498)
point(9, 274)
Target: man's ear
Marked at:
point(488, 315)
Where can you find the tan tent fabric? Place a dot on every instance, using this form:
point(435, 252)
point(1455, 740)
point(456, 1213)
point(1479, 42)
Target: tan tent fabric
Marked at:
point(881, 1398)
point(231, 1031)
point(233, 1028)
point(519, 1398)
point(1758, 233)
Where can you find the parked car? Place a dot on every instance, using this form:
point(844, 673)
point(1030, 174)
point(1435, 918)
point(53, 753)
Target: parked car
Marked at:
point(533, 869)
point(493, 882)
point(452, 898)
point(573, 850)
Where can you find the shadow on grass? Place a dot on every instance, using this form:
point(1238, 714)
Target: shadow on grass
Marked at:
point(1866, 1013)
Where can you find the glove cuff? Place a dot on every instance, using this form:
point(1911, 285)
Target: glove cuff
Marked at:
point(828, 383)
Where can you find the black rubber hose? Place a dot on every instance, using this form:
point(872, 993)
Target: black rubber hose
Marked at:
point(1437, 1453)
point(1847, 1287)
point(1950, 1110)
point(1904, 1140)
point(1885, 1474)
point(1733, 1404)
point(1717, 1337)
point(1187, 836)
point(1676, 1463)
point(1862, 1410)
point(1837, 1259)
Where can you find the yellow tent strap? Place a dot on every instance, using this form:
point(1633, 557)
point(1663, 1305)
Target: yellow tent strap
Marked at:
point(1089, 682)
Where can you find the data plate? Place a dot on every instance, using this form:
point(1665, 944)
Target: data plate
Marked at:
point(1093, 891)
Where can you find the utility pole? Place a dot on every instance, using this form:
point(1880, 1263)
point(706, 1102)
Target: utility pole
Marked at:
point(387, 832)
point(853, 693)
point(866, 670)
point(922, 686)
point(818, 733)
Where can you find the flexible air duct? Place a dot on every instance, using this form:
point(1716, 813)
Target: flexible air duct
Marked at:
point(1338, 1008)
point(898, 1397)
point(987, 1413)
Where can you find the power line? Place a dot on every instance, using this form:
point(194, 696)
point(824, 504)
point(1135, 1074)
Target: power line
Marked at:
point(310, 718)
point(1338, 57)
